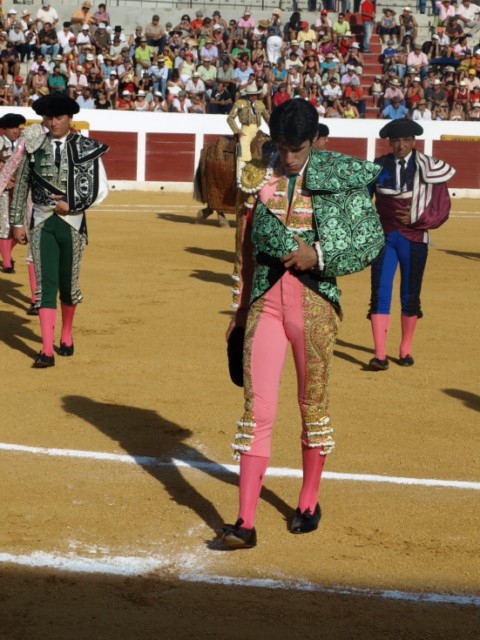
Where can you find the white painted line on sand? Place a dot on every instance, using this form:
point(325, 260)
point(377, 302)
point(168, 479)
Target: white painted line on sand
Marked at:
point(213, 467)
point(112, 565)
point(140, 566)
point(387, 594)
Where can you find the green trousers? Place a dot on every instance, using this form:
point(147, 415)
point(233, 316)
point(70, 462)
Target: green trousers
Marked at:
point(57, 250)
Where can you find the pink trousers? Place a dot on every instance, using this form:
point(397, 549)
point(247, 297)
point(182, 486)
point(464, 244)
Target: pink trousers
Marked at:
point(288, 313)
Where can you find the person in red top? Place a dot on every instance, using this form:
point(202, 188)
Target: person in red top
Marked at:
point(367, 10)
point(281, 95)
point(198, 22)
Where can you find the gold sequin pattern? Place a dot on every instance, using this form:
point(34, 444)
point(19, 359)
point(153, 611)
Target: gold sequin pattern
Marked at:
point(320, 326)
point(246, 426)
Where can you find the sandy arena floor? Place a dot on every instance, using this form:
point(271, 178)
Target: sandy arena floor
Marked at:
point(96, 544)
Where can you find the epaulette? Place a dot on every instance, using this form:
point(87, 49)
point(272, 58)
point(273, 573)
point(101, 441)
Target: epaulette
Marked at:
point(255, 174)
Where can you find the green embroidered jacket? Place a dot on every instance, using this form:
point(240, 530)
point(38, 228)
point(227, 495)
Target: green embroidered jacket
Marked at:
point(345, 223)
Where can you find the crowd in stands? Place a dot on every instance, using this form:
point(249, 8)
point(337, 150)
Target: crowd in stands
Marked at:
point(203, 64)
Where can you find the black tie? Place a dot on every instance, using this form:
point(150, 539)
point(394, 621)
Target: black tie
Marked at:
point(403, 174)
point(58, 154)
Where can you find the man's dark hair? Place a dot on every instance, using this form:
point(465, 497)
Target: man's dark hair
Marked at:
point(294, 122)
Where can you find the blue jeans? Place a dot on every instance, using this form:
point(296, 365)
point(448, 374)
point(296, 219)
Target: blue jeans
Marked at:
point(50, 49)
point(367, 34)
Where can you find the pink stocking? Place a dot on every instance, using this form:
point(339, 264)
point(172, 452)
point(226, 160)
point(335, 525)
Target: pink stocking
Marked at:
point(408, 329)
point(380, 324)
point(252, 472)
point(312, 472)
point(33, 281)
point(6, 251)
point(68, 311)
point(48, 318)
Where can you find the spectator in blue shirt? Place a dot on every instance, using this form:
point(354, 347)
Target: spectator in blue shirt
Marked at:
point(395, 110)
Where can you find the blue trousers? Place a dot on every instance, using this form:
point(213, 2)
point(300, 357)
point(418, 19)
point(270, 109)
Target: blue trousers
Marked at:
point(412, 257)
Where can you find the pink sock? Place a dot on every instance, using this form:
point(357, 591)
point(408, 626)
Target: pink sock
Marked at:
point(48, 318)
point(312, 472)
point(68, 311)
point(380, 324)
point(408, 329)
point(252, 472)
point(33, 281)
point(6, 252)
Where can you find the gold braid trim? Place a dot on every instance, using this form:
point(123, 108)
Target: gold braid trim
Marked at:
point(246, 426)
point(319, 434)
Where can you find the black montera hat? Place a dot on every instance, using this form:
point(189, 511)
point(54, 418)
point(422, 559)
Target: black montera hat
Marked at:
point(11, 120)
point(401, 128)
point(55, 104)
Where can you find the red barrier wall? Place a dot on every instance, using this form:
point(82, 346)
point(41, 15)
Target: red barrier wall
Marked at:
point(170, 157)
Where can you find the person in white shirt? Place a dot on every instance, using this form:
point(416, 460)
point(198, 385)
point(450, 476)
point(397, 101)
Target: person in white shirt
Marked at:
point(468, 15)
point(46, 13)
point(422, 112)
point(64, 36)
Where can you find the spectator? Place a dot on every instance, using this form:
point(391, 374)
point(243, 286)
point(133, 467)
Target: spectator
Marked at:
point(195, 86)
point(246, 23)
point(143, 57)
point(377, 91)
point(17, 94)
point(226, 75)
point(458, 111)
point(85, 100)
point(57, 81)
point(155, 33)
point(208, 73)
point(408, 25)
point(220, 100)
point(446, 10)
point(64, 35)
point(340, 28)
point(395, 110)
point(418, 60)
point(367, 9)
point(10, 60)
point(101, 37)
point(48, 40)
point(468, 15)
point(125, 102)
point(349, 110)
point(388, 28)
point(102, 15)
point(422, 112)
point(393, 90)
point(181, 104)
point(83, 16)
point(46, 13)
point(77, 80)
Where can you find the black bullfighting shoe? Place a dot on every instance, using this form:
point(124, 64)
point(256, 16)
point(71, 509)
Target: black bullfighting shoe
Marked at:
point(42, 361)
point(406, 361)
point(65, 350)
point(378, 365)
point(32, 310)
point(9, 269)
point(237, 537)
point(306, 521)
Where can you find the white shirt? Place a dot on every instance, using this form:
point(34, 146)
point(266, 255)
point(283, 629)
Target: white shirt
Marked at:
point(469, 12)
point(418, 115)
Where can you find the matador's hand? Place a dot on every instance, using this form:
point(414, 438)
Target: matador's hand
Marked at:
point(62, 207)
point(304, 258)
point(20, 235)
point(403, 216)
